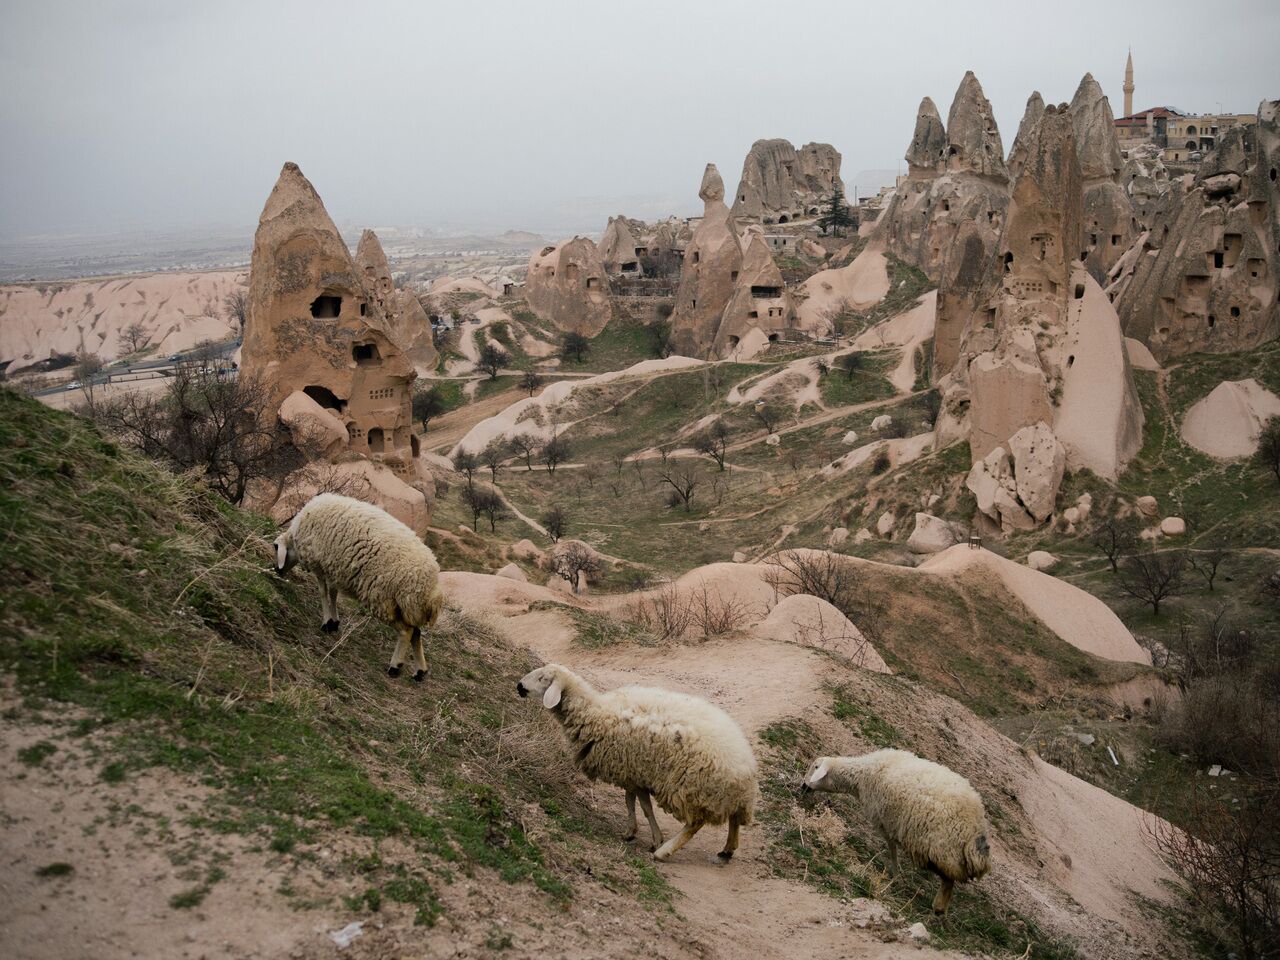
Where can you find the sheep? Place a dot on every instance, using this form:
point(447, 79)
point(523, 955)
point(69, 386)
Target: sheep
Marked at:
point(933, 812)
point(368, 554)
point(679, 750)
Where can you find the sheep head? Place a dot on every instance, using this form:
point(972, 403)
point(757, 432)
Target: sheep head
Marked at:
point(547, 682)
point(286, 553)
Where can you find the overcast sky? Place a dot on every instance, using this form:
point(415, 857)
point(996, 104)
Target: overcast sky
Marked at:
point(160, 114)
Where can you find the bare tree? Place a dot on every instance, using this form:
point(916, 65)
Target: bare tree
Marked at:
point(574, 562)
point(236, 304)
point(1114, 537)
point(525, 445)
point(224, 428)
point(466, 463)
point(1206, 562)
point(86, 370)
point(768, 414)
point(555, 522)
point(619, 461)
point(134, 337)
point(530, 381)
point(494, 455)
point(555, 452)
point(683, 478)
point(591, 473)
point(828, 576)
point(714, 442)
point(638, 467)
point(1152, 577)
point(492, 360)
point(820, 366)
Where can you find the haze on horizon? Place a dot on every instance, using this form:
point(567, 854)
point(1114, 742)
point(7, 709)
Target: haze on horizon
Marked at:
point(145, 115)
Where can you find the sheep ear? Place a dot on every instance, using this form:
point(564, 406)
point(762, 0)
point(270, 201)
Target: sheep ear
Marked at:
point(552, 697)
point(821, 772)
point(282, 554)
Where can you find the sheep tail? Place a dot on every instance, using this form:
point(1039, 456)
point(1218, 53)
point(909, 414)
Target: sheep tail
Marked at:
point(977, 857)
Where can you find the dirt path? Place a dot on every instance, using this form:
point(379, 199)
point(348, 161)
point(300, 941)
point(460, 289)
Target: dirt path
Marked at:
point(447, 430)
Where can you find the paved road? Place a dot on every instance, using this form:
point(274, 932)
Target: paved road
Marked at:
point(161, 366)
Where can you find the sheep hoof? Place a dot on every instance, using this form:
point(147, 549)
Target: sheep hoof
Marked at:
point(419, 676)
point(330, 626)
point(393, 671)
point(629, 837)
point(725, 855)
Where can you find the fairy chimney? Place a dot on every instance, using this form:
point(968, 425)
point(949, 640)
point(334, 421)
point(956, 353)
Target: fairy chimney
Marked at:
point(709, 273)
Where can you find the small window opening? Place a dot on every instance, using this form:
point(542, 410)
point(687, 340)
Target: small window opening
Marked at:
point(377, 443)
point(773, 338)
point(593, 282)
point(364, 309)
point(326, 307)
point(1071, 361)
point(1217, 259)
point(1235, 311)
point(733, 341)
point(324, 396)
point(765, 293)
point(1079, 291)
point(753, 314)
point(696, 255)
point(734, 276)
point(415, 446)
point(1115, 239)
point(1008, 261)
point(1212, 320)
point(365, 353)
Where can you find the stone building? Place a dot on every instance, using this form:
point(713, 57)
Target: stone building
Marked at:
point(407, 323)
point(620, 251)
point(317, 333)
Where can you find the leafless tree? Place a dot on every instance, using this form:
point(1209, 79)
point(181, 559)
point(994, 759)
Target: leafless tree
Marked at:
point(820, 366)
point(666, 613)
point(466, 463)
point(1207, 561)
point(530, 381)
point(134, 337)
point(555, 452)
point(223, 427)
point(683, 478)
point(236, 303)
point(1152, 577)
point(768, 414)
point(494, 455)
point(86, 370)
point(828, 576)
point(525, 445)
point(619, 461)
point(555, 522)
point(714, 442)
point(574, 562)
point(1114, 537)
point(638, 467)
point(591, 473)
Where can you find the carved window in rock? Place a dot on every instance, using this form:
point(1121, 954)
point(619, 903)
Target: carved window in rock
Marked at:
point(325, 397)
point(593, 283)
point(631, 266)
point(1041, 244)
point(377, 442)
point(1232, 243)
point(366, 354)
point(761, 292)
point(327, 306)
point(382, 393)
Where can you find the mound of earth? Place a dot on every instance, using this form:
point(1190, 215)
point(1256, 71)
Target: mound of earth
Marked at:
point(859, 285)
point(1226, 423)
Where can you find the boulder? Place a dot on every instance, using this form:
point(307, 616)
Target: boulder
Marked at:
point(886, 524)
point(882, 422)
point(1041, 560)
point(1227, 422)
point(512, 572)
point(931, 535)
point(739, 557)
point(838, 536)
point(311, 426)
point(1173, 526)
point(773, 440)
point(1038, 462)
point(528, 551)
point(863, 535)
point(1147, 506)
point(992, 483)
point(849, 439)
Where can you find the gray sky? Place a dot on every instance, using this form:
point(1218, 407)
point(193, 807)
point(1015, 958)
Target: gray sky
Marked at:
point(158, 114)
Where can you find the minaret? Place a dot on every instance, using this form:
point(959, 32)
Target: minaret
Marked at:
point(1128, 86)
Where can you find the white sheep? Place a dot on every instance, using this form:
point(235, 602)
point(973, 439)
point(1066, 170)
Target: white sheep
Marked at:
point(368, 554)
point(680, 750)
point(932, 812)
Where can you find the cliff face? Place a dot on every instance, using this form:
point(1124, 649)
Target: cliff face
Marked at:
point(780, 183)
point(1108, 213)
point(1203, 278)
point(566, 285)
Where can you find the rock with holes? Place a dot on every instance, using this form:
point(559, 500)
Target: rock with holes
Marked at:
point(1038, 461)
point(708, 272)
point(566, 285)
point(319, 326)
point(780, 183)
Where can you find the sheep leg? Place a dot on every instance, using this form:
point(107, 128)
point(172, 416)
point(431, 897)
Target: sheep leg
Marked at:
point(665, 851)
point(655, 831)
point(943, 899)
point(398, 658)
point(328, 605)
point(893, 853)
point(415, 640)
point(731, 844)
point(631, 816)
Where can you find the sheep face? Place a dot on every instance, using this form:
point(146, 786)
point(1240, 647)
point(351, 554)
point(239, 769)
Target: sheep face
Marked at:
point(545, 682)
point(286, 554)
point(822, 777)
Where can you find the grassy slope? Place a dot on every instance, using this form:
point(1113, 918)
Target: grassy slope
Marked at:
point(148, 602)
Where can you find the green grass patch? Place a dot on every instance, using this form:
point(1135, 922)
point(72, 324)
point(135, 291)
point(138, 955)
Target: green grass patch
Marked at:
point(55, 870)
point(37, 753)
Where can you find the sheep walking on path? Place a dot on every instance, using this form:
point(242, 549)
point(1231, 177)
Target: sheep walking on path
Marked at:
point(930, 811)
point(361, 550)
point(679, 750)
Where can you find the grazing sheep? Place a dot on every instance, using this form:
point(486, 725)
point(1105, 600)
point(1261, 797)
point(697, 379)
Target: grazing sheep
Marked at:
point(368, 554)
point(680, 750)
point(933, 812)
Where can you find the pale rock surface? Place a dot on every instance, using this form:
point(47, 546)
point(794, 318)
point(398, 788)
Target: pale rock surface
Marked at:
point(886, 524)
point(1041, 560)
point(1226, 423)
point(882, 422)
point(773, 440)
point(907, 330)
point(739, 557)
point(566, 285)
point(813, 622)
point(528, 551)
point(859, 285)
point(760, 307)
point(1139, 355)
point(708, 273)
point(779, 181)
point(311, 425)
point(1147, 505)
point(863, 535)
point(850, 438)
point(513, 572)
point(1173, 526)
point(1038, 462)
point(931, 535)
point(1108, 215)
point(838, 536)
point(618, 249)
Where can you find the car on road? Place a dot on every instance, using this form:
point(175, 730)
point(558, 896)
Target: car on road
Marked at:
point(73, 385)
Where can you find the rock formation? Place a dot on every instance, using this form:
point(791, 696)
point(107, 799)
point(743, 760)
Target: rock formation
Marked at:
point(956, 191)
point(1226, 424)
point(406, 322)
point(317, 335)
point(760, 307)
point(780, 183)
point(1030, 117)
point(1204, 277)
point(619, 249)
point(709, 273)
point(1108, 214)
point(566, 285)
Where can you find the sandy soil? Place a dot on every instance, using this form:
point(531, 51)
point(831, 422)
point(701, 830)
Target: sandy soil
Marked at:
point(861, 283)
point(907, 330)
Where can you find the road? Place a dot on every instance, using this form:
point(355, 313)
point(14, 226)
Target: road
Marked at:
point(162, 366)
